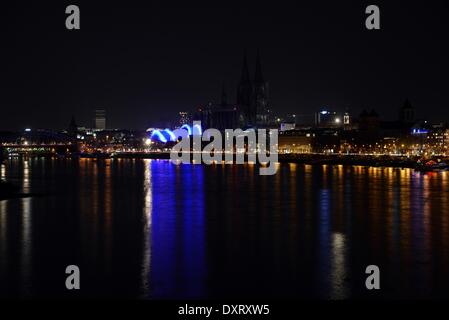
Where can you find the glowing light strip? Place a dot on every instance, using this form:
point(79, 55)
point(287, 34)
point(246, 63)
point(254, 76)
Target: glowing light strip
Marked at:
point(189, 130)
point(158, 135)
point(171, 134)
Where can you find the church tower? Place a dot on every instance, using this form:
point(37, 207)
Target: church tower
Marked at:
point(244, 93)
point(260, 93)
point(224, 96)
point(407, 113)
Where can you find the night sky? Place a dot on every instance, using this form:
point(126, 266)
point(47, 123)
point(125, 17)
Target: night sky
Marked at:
point(145, 61)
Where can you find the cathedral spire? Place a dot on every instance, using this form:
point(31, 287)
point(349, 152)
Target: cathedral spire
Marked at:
point(258, 78)
point(73, 127)
point(245, 71)
point(224, 96)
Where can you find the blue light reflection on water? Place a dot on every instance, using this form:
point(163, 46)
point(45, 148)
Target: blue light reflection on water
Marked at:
point(177, 232)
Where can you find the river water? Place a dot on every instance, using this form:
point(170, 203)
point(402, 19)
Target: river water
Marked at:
point(153, 230)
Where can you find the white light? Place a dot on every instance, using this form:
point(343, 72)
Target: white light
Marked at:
point(27, 130)
point(337, 120)
point(148, 142)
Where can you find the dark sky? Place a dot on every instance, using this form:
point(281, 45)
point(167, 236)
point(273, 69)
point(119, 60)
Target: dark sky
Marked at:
point(145, 61)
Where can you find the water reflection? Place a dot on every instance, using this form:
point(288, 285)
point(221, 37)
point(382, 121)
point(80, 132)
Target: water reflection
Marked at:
point(177, 230)
point(339, 269)
point(193, 231)
point(2, 171)
point(147, 216)
point(26, 229)
point(3, 239)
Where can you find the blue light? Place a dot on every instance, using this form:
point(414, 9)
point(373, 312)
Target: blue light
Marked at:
point(198, 130)
point(170, 134)
point(172, 233)
point(187, 127)
point(420, 131)
point(159, 136)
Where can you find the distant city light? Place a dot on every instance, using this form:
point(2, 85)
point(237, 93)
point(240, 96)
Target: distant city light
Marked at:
point(27, 130)
point(420, 131)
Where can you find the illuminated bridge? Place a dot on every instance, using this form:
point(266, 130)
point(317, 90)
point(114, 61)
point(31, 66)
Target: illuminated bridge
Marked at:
point(38, 148)
point(36, 142)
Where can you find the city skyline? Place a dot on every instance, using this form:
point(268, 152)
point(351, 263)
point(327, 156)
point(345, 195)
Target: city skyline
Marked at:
point(220, 158)
point(146, 64)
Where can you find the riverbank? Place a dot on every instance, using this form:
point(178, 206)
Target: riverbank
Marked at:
point(313, 159)
point(361, 160)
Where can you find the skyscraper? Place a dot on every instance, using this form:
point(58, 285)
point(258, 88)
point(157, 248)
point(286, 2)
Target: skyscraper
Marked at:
point(100, 119)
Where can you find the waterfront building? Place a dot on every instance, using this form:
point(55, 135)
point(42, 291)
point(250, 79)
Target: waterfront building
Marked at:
point(328, 119)
point(100, 119)
point(285, 126)
point(295, 141)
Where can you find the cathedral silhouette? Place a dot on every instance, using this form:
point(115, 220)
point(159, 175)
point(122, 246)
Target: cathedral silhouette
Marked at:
point(251, 109)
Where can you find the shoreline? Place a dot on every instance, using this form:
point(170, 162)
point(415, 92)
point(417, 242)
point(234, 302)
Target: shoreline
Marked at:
point(311, 159)
point(308, 159)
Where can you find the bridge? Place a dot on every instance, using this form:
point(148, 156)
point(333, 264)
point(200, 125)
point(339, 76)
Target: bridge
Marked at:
point(37, 148)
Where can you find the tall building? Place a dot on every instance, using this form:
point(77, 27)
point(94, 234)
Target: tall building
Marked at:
point(100, 119)
point(252, 96)
point(260, 95)
point(244, 95)
point(251, 109)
